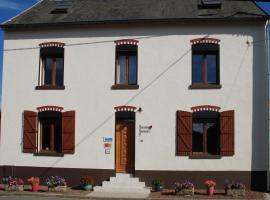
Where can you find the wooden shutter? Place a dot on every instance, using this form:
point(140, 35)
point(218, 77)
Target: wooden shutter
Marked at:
point(227, 133)
point(30, 132)
point(68, 132)
point(184, 133)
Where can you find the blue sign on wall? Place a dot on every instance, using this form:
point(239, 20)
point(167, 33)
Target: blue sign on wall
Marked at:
point(107, 139)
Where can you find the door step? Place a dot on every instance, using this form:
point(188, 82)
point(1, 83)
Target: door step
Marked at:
point(122, 185)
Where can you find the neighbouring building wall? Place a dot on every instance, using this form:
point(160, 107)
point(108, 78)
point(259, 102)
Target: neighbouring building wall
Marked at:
point(164, 75)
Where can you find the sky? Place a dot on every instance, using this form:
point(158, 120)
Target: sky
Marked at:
point(11, 8)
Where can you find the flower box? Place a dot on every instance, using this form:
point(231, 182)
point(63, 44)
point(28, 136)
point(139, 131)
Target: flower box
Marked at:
point(13, 187)
point(235, 192)
point(58, 189)
point(185, 192)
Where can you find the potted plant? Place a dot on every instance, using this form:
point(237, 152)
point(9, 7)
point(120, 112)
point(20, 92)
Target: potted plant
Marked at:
point(235, 188)
point(184, 189)
point(56, 184)
point(158, 184)
point(12, 183)
point(87, 182)
point(210, 187)
point(34, 181)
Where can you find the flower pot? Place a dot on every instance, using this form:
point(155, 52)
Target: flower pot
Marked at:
point(88, 187)
point(235, 192)
point(19, 187)
point(185, 192)
point(35, 187)
point(158, 188)
point(58, 189)
point(210, 191)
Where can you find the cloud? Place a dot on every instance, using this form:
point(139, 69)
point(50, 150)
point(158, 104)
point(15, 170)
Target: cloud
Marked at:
point(11, 5)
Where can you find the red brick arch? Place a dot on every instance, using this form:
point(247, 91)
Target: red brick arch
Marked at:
point(51, 44)
point(205, 41)
point(126, 41)
point(205, 108)
point(125, 108)
point(50, 108)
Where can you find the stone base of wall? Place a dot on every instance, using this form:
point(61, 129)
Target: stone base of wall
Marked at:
point(254, 180)
point(73, 175)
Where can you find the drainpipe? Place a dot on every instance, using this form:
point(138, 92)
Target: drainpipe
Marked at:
point(267, 63)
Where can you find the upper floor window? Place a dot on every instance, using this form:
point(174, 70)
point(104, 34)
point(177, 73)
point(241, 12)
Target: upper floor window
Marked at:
point(126, 65)
point(205, 64)
point(51, 66)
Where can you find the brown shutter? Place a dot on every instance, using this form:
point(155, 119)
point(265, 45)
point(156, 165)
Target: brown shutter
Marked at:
point(184, 133)
point(68, 132)
point(227, 133)
point(30, 132)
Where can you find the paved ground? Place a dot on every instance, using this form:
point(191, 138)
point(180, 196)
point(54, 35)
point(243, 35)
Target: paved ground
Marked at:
point(61, 198)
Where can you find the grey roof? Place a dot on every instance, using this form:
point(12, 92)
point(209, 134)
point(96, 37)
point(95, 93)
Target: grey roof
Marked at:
point(122, 11)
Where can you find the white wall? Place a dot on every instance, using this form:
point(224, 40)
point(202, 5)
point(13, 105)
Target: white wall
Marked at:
point(164, 68)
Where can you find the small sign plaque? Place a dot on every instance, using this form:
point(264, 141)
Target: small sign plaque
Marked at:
point(109, 139)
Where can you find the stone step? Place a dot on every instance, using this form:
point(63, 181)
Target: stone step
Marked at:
point(125, 180)
point(123, 175)
point(145, 191)
point(113, 195)
point(123, 184)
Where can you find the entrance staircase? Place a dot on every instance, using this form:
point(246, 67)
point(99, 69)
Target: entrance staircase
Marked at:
point(123, 185)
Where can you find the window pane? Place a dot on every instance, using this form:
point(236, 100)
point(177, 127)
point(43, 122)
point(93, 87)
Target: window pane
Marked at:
point(197, 138)
point(212, 137)
point(197, 68)
point(59, 71)
point(121, 79)
point(132, 73)
point(57, 135)
point(46, 129)
point(211, 69)
point(48, 71)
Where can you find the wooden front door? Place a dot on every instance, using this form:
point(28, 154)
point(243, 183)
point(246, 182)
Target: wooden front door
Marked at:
point(125, 146)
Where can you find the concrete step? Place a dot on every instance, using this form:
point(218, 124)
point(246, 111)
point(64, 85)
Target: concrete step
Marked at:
point(124, 180)
point(112, 195)
point(123, 175)
point(122, 190)
point(123, 184)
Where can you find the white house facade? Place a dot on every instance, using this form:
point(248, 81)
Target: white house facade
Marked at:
point(156, 96)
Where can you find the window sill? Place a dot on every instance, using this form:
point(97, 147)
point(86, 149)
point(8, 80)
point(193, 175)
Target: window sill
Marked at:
point(205, 86)
point(49, 87)
point(125, 87)
point(49, 153)
point(204, 156)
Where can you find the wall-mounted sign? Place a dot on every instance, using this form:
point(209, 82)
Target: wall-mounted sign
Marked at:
point(107, 144)
point(109, 139)
point(107, 147)
point(144, 129)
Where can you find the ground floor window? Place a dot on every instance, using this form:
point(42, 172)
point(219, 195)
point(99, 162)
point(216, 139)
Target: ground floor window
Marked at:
point(205, 132)
point(49, 131)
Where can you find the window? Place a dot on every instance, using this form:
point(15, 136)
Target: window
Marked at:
point(205, 132)
point(126, 66)
point(205, 66)
point(49, 132)
point(51, 67)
